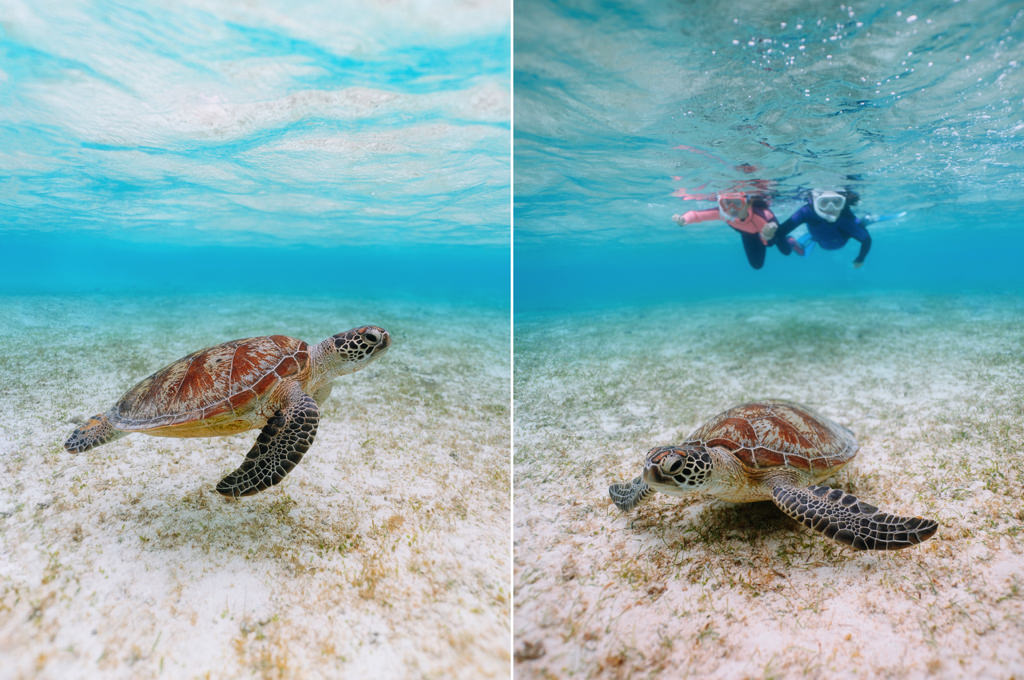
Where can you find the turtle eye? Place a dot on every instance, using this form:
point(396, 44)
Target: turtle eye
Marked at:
point(674, 466)
point(372, 337)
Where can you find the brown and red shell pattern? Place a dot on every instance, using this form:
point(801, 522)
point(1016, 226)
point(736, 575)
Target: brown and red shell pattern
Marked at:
point(777, 433)
point(228, 377)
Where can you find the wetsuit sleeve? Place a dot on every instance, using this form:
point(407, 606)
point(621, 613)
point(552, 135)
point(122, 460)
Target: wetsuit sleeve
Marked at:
point(860, 233)
point(700, 216)
point(794, 221)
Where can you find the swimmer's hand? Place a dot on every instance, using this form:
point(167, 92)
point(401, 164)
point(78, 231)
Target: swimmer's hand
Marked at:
point(769, 231)
point(858, 265)
point(680, 220)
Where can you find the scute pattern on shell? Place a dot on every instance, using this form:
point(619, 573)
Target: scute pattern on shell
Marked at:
point(212, 381)
point(774, 433)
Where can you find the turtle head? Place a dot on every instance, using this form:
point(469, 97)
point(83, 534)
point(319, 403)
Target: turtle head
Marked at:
point(678, 470)
point(349, 351)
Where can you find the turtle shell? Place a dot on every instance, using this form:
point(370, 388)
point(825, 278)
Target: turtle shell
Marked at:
point(213, 384)
point(778, 433)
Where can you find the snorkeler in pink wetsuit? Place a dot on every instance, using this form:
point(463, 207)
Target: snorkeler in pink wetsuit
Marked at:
point(750, 216)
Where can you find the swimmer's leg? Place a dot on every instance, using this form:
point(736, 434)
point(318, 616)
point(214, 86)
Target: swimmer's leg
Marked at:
point(806, 243)
point(800, 245)
point(754, 248)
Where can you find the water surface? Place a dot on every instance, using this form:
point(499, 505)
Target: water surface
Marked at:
point(618, 107)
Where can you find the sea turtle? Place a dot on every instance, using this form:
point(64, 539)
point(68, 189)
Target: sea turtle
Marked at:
point(272, 382)
point(778, 451)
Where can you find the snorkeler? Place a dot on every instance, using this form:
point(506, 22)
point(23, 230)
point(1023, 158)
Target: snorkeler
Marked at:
point(830, 224)
point(748, 215)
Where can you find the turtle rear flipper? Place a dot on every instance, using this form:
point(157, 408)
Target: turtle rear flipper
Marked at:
point(97, 430)
point(287, 435)
point(627, 495)
point(844, 518)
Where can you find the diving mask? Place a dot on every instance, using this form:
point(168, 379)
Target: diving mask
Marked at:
point(732, 206)
point(828, 204)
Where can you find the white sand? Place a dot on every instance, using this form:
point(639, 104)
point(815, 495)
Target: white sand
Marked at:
point(383, 554)
point(699, 588)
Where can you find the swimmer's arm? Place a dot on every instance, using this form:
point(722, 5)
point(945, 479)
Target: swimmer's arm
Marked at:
point(865, 246)
point(696, 216)
point(786, 227)
point(771, 225)
point(859, 233)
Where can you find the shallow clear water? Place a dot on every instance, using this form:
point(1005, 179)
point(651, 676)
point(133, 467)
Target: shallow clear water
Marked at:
point(218, 145)
point(359, 560)
point(930, 385)
point(176, 176)
point(631, 331)
point(618, 106)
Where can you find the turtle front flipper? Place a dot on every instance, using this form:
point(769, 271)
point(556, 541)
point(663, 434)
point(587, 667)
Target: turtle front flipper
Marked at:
point(97, 430)
point(287, 435)
point(844, 518)
point(627, 495)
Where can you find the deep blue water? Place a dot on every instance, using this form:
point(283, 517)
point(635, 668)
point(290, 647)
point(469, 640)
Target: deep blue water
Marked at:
point(618, 106)
point(267, 147)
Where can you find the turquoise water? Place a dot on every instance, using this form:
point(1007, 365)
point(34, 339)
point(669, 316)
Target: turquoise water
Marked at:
point(272, 146)
point(176, 175)
point(631, 331)
point(618, 106)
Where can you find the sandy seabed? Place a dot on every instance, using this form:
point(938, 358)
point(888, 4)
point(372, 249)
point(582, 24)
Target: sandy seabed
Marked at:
point(933, 387)
point(383, 554)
